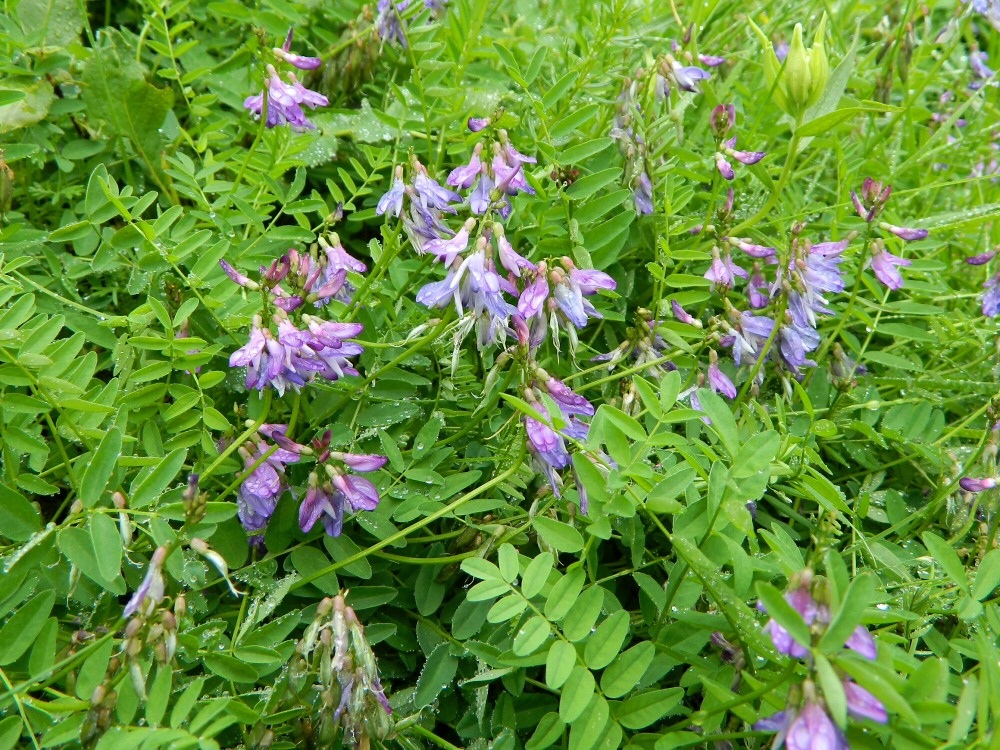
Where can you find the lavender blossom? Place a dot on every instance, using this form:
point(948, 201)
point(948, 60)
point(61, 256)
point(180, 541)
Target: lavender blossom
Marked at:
point(969, 484)
point(801, 600)
point(684, 77)
point(302, 63)
point(388, 21)
point(557, 298)
point(476, 124)
point(904, 232)
point(722, 271)
point(718, 381)
point(982, 258)
point(813, 729)
point(872, 200)
point(284, 102)
point(682, 315)
point(884, 264)
point(991, 297)
point(258, 494)
point(861, 704)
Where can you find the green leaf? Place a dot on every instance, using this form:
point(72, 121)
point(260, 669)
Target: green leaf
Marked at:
point(10, 732)
point(102, 463)
point(833, 690)
point(583, 614)
point(549, 730)
point(586, 732)
point(507, 557)
point(559, 663)
point(988, 575)
point(33, 105)
point(507, 608)
point(18, 518)
point(93, 670)
point(185, 703)
point(947, 558)
point(784, 613)
point(159, 695)
point(437, 674)
point(107, 545)
point(584, 150)
point(564, 594)
point(576, 694)
point(24, 626)
point(605, 643)
point(50, 23)
point(536, 574)
point(531, 636)
point(230, 668)
point(573, 120)
point(647, 707)
point(150, 488)
point(848, 616)
point(558, 535)
point(723, 422)
point(625, 672)
point(824, 124)
point(116, 92)
point(477, 567)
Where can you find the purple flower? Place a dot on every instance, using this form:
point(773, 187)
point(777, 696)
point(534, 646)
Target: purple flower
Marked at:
point(392, 201)
point(758, 294)
point(991, 297)
point(238, 277)
point(463, 177)
point(903, 232)
point(970, 484)
point(873, 198)
point(544, 442)
point(749, 336)
point(982, 258)
point(533, 297)
point(686, 77)
point(302, 63)
point(258, 494)
point(862, 643)
point(151, 591)
point(284, 102)
point(362, 461)
point(481, 198)
point(447, 250)
point(569, 401)
point(754, 251)
point(724, 167)
point(431, 193)
point(642, 194)
point(322, 502)
point(978, 66)
point(478, 123)
point(802, 602)
point(813, 729)
point(510, 258)
point(388, 23)
point(681, 314)
point(711, 61)
point(861, 704)
point(718, 381)
point(884, 264)
point(723, 271)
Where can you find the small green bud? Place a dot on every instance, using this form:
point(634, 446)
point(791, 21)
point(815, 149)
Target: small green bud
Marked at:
point(799, 85)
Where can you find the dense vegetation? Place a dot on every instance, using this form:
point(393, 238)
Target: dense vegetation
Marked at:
point(468, 374)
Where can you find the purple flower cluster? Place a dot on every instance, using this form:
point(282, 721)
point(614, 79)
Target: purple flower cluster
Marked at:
point(673, 73)
point(281, 102)
point(258, 495)
point(426, 200)
point(869, 205)
point(555, 298)
point(493, 180)
point(723, 120)
point(546, 443)
point(294, 352)
point(327, 495)
point(810, 727)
